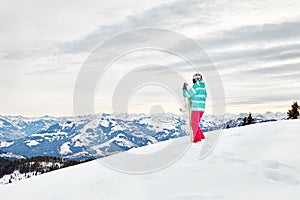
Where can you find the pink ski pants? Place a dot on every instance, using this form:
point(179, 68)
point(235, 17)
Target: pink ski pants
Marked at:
point(195, 122)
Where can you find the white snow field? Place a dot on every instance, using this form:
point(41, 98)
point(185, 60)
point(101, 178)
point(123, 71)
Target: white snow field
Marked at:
point(260, 161)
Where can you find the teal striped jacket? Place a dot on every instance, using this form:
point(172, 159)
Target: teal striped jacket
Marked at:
point(197, 95)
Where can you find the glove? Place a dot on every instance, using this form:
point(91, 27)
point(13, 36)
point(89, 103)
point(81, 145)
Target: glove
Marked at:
point(185, 86)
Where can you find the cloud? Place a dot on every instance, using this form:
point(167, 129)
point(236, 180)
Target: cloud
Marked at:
point(243, 100)
point(173, 14)
point(47, 71)
point(286, 74)
point(251, 54)
point(282, 70)
point(266, 33)
point(180, 15)
point(277, 52)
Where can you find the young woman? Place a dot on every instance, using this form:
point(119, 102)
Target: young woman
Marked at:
point(197, 96)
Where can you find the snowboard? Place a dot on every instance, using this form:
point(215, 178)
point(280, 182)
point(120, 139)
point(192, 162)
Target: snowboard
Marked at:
point(186, 112)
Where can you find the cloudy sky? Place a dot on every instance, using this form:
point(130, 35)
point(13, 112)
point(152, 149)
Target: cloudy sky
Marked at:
point(255, 46)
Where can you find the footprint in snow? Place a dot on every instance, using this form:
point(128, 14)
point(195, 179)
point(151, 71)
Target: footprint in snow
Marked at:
point(273, 173)
point(275, 176)
point(273, 164)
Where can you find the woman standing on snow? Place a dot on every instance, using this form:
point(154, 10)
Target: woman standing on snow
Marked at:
point(197, 96)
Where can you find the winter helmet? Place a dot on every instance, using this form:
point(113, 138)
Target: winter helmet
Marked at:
point(197, 77)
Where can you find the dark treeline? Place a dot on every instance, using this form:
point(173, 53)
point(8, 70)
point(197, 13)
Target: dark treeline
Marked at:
point(248, 120)
point(2, 160)
point(293, 113)
point(37, 165)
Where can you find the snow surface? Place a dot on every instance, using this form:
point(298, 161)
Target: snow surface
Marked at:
point(65, 149)
point(259, 161)
point(11, 155)
point(6, 144)
point(32, 143)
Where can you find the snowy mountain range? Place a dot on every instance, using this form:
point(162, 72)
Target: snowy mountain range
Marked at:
point(99, 135)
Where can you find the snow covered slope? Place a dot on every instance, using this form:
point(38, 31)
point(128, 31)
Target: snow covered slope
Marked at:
point(259, 161)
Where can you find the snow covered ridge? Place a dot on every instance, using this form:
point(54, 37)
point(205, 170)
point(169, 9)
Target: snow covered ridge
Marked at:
point(102, 134)
point(258, 162)
point(10, 155)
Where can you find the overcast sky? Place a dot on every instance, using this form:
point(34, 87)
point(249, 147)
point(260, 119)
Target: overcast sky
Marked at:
point(255, 46)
